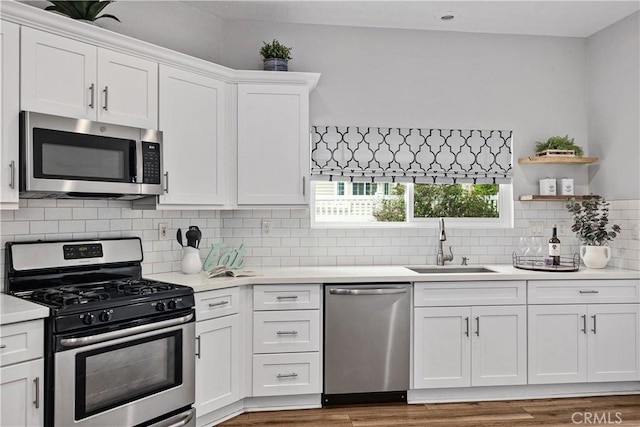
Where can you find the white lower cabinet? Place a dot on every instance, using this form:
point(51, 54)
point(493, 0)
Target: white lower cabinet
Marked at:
point(22, 394)
point(22, 374)
point(286, 341)
point(584, 343)
point(469, 346)
point(218, 359)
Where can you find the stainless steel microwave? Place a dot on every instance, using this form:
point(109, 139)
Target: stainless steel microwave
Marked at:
point(62, 157)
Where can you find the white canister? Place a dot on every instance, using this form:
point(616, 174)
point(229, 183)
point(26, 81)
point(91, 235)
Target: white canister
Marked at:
point(191, 262)
point(565, 185)
point(548, 187)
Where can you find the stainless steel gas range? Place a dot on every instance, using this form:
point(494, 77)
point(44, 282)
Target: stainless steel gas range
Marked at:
point(119, 349)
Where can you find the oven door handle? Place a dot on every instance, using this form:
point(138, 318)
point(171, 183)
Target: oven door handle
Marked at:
point(94, 339)
point(179, 420)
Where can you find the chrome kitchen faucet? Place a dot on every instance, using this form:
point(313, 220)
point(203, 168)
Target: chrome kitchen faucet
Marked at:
point(442, 236)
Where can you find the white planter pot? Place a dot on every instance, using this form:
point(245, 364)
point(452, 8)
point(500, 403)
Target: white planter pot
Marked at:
point(595, 256)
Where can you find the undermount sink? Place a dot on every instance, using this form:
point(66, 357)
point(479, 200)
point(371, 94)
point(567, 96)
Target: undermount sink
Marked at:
point(450, 270)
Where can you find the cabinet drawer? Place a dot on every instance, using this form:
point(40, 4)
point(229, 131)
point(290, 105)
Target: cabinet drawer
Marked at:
point(286, 297)
point(584, 291)
point(438, 294)
point(286, 374)
point(286, 331)
point(217, 303)
point(21, 341)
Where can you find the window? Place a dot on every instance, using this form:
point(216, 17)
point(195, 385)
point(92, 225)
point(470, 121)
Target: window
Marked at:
point(396, 204)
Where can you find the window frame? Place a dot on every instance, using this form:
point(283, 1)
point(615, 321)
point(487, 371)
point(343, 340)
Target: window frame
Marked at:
point(505, 202)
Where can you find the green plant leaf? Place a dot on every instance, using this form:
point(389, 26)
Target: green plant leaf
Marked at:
point(106, 15)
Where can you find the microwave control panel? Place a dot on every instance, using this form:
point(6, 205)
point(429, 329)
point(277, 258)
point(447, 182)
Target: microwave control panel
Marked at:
point(150, 163)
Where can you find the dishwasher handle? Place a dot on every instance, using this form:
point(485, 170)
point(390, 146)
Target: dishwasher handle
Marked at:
point(368, 291)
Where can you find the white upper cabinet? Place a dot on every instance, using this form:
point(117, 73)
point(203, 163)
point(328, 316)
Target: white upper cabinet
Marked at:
point(9, 97)
point(66, 77)
point(193, 122)
point(273, 144)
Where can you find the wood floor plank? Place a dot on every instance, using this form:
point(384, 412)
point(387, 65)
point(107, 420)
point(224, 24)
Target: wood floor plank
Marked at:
point(505, 413)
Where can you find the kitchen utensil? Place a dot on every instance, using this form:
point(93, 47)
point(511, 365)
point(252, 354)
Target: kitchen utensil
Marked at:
point(179, 237)
point(193, 236)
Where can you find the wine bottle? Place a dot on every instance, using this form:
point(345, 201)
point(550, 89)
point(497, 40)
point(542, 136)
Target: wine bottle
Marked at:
point(554, 246)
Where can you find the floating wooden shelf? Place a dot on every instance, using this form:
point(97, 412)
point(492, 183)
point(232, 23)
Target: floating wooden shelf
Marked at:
point(539, 198)
point(556, 159)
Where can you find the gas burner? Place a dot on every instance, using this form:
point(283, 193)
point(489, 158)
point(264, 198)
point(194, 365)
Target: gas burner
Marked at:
point(142, 287)
point(69, 295)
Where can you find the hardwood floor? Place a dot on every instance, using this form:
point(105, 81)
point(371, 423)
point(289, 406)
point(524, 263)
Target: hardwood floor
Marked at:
point(585, 411)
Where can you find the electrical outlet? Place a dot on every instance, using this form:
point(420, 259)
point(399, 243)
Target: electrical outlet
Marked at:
point(562, 228)
point(266, 227)
point(536, 228)
point(163, 231)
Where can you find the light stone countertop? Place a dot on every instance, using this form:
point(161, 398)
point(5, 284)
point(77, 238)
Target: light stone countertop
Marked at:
point(13, 309)
point(339, 274)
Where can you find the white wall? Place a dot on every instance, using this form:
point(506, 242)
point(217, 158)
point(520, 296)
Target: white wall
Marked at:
point(613, 64)
point(401, 78)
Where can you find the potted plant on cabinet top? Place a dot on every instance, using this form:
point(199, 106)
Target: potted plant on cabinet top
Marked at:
point(82, 10)
point(276, 56)
point(590, 223)
point(559, 146)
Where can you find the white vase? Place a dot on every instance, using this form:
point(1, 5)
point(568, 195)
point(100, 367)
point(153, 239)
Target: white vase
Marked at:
point(191, 262)
point(595, 256)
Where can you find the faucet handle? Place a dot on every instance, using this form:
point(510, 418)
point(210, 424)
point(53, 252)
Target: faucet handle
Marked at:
point(450, 256)
point(464, 260)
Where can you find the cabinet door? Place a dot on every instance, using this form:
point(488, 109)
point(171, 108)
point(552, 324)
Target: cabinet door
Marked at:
point(557, 344)
point(58, 75)
point(9, 97)
point(192, 119)
point(22, 394)
point(273, 144)
point(442, 347)
point(499, 345)
point(217, 363)
point(614, 342)
point(128, 90)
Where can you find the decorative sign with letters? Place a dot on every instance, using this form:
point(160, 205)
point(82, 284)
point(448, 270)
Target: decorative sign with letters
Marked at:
point(231, 258)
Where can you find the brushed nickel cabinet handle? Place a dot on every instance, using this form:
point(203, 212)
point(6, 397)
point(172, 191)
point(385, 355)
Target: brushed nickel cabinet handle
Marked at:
point(166, 182)
point(466, 332)
point(304, 185)
point(584, 323)
point(106, 98)
point(589, 292)
point(293, 375)
point(287, 297)
point(92, 90)
point(287, 332)
point(12, 178)
point(477, 326)
point(198, 346)
point(36, 401)
point(218, 304)
point(3, 346)
point(594, 324)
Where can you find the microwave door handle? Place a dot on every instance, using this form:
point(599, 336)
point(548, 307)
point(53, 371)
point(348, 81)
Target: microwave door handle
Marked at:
point(94, 339)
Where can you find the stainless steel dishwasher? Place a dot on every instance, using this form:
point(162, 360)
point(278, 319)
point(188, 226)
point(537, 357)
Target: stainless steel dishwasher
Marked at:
point(366, 343)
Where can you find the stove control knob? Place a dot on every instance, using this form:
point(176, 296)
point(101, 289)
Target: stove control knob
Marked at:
point(105, 316)
point(88, 319)
point(172, 305)
point(161, 306)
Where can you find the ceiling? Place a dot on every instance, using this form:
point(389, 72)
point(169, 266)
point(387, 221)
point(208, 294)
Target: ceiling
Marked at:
point(550, 18)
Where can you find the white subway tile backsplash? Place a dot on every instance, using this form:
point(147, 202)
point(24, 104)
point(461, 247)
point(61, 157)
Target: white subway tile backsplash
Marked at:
point(292, 242)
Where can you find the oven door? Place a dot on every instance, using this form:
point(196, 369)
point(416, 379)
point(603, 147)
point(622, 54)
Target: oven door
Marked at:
point(126, 377)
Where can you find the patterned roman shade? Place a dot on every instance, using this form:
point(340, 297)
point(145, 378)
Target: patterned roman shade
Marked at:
point(443, 156)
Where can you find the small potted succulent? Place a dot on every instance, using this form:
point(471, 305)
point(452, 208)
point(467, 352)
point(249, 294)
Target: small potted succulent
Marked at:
point(591, 225)
point(82, 10)
point(276, 56)
point(559, 146)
